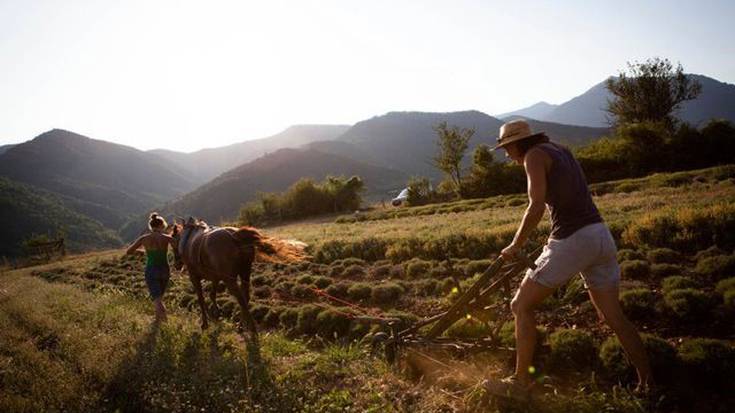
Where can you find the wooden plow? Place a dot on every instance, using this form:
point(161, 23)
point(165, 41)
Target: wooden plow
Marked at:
point(473, 303)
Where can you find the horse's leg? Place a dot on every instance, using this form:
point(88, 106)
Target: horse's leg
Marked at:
point(196, 281)
point(213, 297)
point(245, 316)
point(245, 290)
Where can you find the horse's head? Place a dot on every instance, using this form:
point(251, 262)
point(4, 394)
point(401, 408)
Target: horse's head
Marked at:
point(176, 235)
point(181, 234)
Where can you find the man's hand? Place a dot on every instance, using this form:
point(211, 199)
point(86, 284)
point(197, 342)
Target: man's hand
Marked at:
point(510, 251)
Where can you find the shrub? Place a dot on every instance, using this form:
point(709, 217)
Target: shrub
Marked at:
point(635, 269)
point(664, 270)
point(688, 304)
point(709, 252)
point(259, 311)
point(381, 271)
point(288, 317)
point(351, 261)
point(338, 290)
point(468, 328)
point(637, 303)
point(284, 287)
point(354, 271)
point(426, 288)
point(663, 256)
point(262, 292)
point(417, 268)
point(302, 291)
point(306, 322)
point(332, 323)
point(305, 279)
point(728, 298)
point(322, 282)
point(386, 293)
point(708, 360)
point(676, 282)
point(359, 291)
point(477, 266)
point(336, 270)
point(507, 332)
point(273, 317)
point(725, 285)
point(396, 271)
point(571, 348)
point(629, 254)
point(716, 267)
point(661, 356)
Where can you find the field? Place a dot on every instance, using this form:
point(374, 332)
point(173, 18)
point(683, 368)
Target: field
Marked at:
point(77, 335)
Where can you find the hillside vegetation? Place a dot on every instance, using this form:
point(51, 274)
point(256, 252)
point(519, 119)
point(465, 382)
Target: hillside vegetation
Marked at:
point(674, 231)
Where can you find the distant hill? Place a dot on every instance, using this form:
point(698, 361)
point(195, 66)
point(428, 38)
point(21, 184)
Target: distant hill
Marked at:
point(407, 142)
point(206, 164)
point(103, 180)
point(538, 110)
point(27, 211)
point(4, 148)
point(717, 100)
point(222, 198)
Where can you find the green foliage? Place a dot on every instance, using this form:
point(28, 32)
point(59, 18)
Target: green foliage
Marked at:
point(451, 147)
point(359, 291)
point(626, 254)
point(488, 177)
point(726, 284)
point(635, 269)
point(304, 198)
point(651, 91)
point(661, 356)
point(638, 303)
point(339, 289)
point(665, 270)
point(663, 256)
point(332, 323)
point(386, 293)
point(417, 268)
point(716, 267)
point(676, 282)
point(710, 361)
point(468, 328)
point(368, 249)
point(571, 349)
point(688, 304)
point(306, 322)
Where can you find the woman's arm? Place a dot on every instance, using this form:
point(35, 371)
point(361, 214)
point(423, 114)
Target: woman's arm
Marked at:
point(133, 248)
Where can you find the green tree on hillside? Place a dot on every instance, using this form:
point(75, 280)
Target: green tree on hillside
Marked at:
point(650, 92)
point(488, 177)
point(452, 145)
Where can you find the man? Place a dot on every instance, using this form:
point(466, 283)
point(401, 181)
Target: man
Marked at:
point(580, 242)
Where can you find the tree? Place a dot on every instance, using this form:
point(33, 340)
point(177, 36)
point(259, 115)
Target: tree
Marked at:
point(452, 145)
point(650, 92)
point(419, 191)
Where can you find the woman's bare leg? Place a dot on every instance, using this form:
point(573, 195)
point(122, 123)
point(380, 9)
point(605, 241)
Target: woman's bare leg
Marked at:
point(529, 295)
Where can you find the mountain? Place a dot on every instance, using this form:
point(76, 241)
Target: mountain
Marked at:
point(717, 100)
point(103, 180)
point(28, 211)
point(206, 164)
point(221, 198)
point(406, 140)
point(538, 110)
point(5, 148)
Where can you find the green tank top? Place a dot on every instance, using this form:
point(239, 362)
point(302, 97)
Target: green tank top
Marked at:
point(156, 258)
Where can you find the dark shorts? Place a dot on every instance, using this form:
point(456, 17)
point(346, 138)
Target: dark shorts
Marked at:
point(156, 277)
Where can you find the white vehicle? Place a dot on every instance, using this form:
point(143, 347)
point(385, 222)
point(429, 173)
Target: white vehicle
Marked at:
point(401, 198)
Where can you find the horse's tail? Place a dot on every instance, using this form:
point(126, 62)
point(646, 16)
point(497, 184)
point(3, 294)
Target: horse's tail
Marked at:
point(271, 249)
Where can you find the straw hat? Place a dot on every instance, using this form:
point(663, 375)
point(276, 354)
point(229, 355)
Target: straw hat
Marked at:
point(514, 131)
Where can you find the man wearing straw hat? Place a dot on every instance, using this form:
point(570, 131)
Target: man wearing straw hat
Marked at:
point(580, 242)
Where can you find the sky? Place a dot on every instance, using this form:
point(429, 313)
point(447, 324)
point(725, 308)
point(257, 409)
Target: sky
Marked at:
point(186, 75)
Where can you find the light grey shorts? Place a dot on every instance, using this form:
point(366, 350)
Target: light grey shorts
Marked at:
point(590, 252)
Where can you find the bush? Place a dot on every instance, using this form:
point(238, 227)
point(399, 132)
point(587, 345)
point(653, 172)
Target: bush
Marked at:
point(417, 268)
point(259, 311)
point(468, 328)
point(637, 303)
point(336, 270)
point(354, 271)
point(284, 287)
point(359, 291)
point(273, 317)
point(351, 261)
point(289, 317)
point(386, 293)
point(664, 270)
point(708, 360)
point(302, 291)
point(716, 267)
point(322, 282)
point(725, 285)
point(709, 252)
point(688, 304)
point(661, 356)
point(338, 290)
point(305, 279)
point(426, 288)
point(663, 256)
point(507, 332)
point(332, 323)
point(571, 348)
point(381, 271)
point(728, 298)
point(262, 292)
point(306, 322)
point(635, 269)
point(259, 280)
point(477, 266)
point(676, 282)
point(629, 254)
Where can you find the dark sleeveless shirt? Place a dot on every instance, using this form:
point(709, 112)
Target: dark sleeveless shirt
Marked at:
point(567, 194)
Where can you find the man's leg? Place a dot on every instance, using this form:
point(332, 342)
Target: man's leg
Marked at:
point(607, 303)
point(529, 295)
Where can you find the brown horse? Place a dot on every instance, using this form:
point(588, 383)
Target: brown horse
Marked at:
point(224, 254)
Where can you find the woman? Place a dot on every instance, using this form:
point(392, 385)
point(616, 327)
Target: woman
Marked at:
point(580, 243)
point(157, 271)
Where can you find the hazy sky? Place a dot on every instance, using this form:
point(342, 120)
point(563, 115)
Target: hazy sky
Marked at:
point(187, 75)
